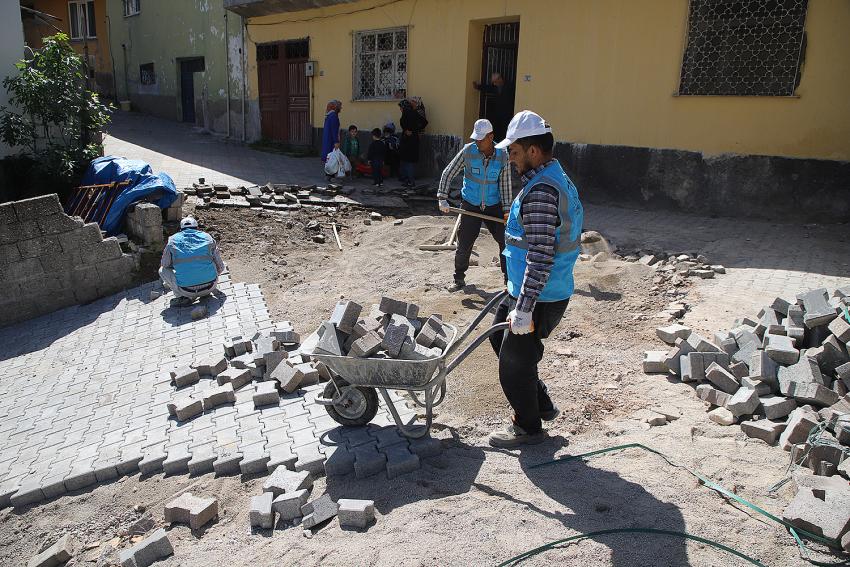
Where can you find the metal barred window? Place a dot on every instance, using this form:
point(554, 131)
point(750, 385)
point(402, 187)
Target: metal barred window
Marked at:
point(380, 64)
point(743, 47)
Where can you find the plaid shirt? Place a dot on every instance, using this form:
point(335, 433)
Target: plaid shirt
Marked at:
point(455, 168)
point(539, 211)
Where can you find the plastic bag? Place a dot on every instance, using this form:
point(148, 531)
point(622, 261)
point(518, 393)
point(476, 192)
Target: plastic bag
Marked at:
point(337, 164)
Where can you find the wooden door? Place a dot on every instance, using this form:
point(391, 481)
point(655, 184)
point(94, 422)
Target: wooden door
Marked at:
point(271, 91)
point(284, 92)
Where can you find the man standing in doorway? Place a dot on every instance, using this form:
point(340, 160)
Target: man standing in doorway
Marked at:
point(500, 102)
point(486, 190)
point(542, 243)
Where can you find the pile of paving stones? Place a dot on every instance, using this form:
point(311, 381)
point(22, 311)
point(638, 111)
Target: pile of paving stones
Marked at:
point(280, 197)
point(286, 497)
point(274, 360)
point(784, 377)
point(393, 329)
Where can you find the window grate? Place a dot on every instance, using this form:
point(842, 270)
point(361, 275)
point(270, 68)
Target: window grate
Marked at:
point(147, 76)
point(743, 47)
point(380, 64)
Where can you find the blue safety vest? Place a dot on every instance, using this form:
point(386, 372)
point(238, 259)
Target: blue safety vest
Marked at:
point(191, 254)
point(480, 184)
point(560, 285)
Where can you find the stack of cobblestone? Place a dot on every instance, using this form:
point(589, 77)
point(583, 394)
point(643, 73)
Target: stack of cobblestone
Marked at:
point(280, 197)
point(393, 329)
point(779, 375)
point(286, 499)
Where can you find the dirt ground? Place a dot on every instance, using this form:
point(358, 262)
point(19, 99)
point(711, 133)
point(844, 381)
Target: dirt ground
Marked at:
point(472, 505)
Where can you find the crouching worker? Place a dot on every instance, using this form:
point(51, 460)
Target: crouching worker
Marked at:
point(191, 263)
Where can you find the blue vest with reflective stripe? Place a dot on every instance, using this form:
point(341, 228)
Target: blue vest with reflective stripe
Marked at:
point(191, 253)
point(560, 285)
point(480, 184)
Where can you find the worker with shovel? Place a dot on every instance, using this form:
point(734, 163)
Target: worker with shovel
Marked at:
point(542, 237)
point(486, 191)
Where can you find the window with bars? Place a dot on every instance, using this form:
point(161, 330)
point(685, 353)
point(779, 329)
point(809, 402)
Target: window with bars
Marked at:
point(743, 47)
point(380, 64)
point(131, 7)
point(81, 19)
point(147, 76)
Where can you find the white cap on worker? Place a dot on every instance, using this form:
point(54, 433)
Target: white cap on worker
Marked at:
point(523, 125)
point(188, 222)
point(480, 129)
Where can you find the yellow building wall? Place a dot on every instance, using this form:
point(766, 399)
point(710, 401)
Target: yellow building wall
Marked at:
point(98, 47)
point(601, 72)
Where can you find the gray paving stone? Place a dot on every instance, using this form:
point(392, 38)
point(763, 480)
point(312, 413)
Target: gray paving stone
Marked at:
point(57, 554)
point(339, 460)
point(817, 309)
point(281, 456)
point(203, 457)
point(261, 514)
point(721, 379)
point(255, 459)
point(355, 513)
point(426, 447)
point(148, 551)
point(310, 458)
point(190, 509)
point(319, 510)
point(227, 463)
point(400, 460)
point(177, 460)
point(368, 461)
point(288, 505)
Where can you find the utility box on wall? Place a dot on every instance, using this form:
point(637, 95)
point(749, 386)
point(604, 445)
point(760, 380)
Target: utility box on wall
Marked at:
point(309, 68)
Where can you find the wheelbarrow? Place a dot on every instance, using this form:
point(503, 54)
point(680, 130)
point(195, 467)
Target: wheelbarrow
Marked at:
point(351, 396)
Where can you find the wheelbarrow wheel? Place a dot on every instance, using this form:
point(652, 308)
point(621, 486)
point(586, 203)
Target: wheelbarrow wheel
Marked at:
point(359, 406)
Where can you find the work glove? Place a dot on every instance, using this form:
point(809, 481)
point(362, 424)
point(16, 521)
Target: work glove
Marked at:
point(444, 206)
point(521, 322)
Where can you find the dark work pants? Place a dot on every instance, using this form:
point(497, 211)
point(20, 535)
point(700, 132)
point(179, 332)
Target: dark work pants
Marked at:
point(518, 359)
point(377, 171)
point(468, 232)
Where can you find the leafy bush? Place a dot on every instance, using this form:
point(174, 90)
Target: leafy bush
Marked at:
point(53, 118)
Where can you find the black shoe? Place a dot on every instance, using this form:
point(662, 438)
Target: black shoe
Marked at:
point(181, 302)
point(551, 414)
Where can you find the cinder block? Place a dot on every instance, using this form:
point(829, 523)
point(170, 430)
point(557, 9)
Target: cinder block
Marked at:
point(366, 346)
point(40, 246)
point(283, 481)
point(355, 513)
point(394, 338)
point(841, 329)
point(148, 551)
point(394, 307)
point(261, 514)
point(764, 429)
point(235, 377)
point(192, 510)
point(288, 505)
point(400, 460)
point(319, 510)
point(108, 249)
point(345, 315)
point(823, 512)
point(219, 396)
point(58, 224)
point(57, 554)
point(744, 402)
point(721, 378)
point(266, 394)
point(184, 377)
point(776, 407)
point(31, 209)
point(654, 361)
point(797, 429)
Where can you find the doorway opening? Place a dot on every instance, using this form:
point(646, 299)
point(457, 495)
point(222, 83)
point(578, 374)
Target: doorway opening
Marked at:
point(188, 68)
point(498, 75)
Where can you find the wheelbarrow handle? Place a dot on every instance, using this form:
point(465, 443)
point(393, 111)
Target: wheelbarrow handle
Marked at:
point(476, 343)
point(480, 317)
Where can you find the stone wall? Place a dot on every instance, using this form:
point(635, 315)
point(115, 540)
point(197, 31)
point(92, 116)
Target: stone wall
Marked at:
point(143, 224)
point(49, 260)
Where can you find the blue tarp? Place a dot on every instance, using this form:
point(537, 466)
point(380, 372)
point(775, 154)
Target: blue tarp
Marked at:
point(145, 185)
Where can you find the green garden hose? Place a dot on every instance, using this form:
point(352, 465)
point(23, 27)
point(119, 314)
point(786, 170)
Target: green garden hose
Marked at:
point(795, 532)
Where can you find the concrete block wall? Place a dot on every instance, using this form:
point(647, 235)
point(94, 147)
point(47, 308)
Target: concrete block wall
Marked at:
point(143, 224)
point(49, 260)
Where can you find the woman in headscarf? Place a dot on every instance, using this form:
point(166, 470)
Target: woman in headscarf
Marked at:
point(330, 131)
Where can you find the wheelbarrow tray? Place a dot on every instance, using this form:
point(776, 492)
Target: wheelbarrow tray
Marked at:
point(387, 372)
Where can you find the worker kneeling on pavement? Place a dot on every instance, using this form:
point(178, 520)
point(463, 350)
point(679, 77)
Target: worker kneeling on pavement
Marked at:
point(542, 243)
point(191, 263)
point(486, 190)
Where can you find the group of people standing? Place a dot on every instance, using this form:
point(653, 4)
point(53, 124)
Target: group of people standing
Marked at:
point(399, 153)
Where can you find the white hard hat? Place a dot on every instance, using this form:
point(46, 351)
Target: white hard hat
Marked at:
point(523, 125)
point(188, 222)
point(480, 129)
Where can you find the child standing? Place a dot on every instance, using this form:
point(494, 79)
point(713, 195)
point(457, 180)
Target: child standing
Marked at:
point(376, 156)
point(351, 146)
point(391, 141)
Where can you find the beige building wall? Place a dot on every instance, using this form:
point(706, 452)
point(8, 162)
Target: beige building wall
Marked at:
point(602, 72)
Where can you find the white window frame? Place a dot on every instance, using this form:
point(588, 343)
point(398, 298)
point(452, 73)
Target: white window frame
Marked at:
point(394, 54)
point(82, 7)
point(132, 7)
